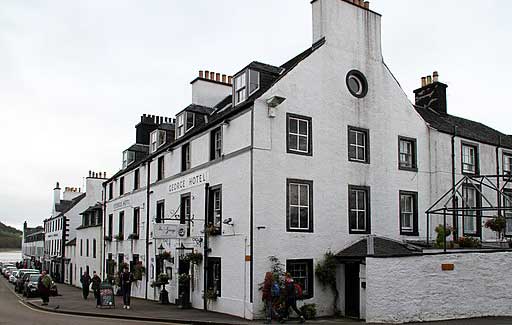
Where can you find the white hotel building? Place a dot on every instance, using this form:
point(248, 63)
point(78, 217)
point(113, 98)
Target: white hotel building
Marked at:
point(293, 161)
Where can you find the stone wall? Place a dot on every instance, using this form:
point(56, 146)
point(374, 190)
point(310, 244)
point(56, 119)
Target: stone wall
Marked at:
point(414, 289)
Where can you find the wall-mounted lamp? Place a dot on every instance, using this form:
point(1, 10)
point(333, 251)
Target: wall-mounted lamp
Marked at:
point(261, 227)
point(226, 122)
point(228, 221)
point(272, 103)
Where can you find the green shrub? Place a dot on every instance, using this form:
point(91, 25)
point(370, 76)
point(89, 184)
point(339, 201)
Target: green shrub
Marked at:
point(308, 311)
point(468, 242)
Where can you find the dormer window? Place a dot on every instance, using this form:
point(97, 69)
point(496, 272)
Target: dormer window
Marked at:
point(128, 158)
point(185, 121)
point(241, 91)
point(157, 139)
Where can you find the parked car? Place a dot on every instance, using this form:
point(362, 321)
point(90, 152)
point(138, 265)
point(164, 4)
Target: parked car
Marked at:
point(8, 271)
point(30, 286)
point(22, 277)
point(13, 276)
point(5, 266)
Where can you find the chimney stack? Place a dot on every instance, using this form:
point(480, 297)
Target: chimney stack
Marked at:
point(200, 73)
point(56, 194)
point(432, 94)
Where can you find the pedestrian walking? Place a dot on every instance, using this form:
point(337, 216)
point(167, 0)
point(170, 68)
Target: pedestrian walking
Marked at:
point(290, 293)
point(96, 282)
point(43, 285)
point(126, 278)
point(85, 279)
point(270, 292)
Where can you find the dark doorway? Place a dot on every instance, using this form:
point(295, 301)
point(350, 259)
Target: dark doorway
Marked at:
point(183, 286)
point(70, 274)
point(352, 290)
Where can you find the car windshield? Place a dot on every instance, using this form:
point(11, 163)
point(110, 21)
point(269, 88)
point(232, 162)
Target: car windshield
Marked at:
point(34, 277)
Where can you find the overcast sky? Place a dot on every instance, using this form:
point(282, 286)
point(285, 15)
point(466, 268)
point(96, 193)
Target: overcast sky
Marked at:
point(75, 76)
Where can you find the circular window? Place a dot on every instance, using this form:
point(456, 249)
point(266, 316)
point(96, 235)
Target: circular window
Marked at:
point(357, 84)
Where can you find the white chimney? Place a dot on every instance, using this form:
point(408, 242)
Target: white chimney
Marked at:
point(350, 27)
point(209, 89)
point(56, 194)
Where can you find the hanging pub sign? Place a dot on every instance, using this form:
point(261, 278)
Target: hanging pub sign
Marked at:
point(189, 181)
point(169, 231)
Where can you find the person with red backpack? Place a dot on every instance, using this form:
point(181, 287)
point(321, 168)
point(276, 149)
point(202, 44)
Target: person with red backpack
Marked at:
point(292, 291)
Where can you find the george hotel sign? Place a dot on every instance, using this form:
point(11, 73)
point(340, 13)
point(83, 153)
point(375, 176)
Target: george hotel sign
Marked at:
point(189, 181)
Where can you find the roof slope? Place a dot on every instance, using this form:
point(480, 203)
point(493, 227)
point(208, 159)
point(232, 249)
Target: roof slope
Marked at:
point(383, 247)
point(70, 204)
point(465, 128)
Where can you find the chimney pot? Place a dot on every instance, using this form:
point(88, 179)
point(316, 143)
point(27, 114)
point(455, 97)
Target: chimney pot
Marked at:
point(217, 76)
point(429, 80)
point(206, 74)
point(89, 173)
point(212, 75)
point(435, 76)
point(230, 80)
point(200, 73)
point(223, 78)
point(423, 81)
point(367, 4)
point(104, 174)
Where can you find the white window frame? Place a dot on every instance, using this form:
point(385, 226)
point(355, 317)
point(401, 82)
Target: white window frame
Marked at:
point(468, 167)
point(240, 88)
point(298, 134)
point(249, 81)
point(157, 138)
point(299, 206)
point(359, 209)
point(357, 145)
point(407, 156)
point(407, 214)
point(470, 218)
point(507, 203)
point(126, 158)
point(180, 125)
point(186, 121)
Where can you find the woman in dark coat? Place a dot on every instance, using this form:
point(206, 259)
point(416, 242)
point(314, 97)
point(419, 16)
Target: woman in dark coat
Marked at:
point(267, 296)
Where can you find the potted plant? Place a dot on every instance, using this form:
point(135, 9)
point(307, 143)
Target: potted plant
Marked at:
point(163, 278)
point(194, 257)
point(211, 294)
point(468, 242)
point(497, 224)
point(442, 233)
point(133, 236)
point(165, 255)
point(119, 237)
point(212, 230)
point(138, 271)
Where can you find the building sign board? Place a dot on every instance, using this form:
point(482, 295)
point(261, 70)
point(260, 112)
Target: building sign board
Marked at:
point(169, 231)
point(189, 181)
point(121, 205)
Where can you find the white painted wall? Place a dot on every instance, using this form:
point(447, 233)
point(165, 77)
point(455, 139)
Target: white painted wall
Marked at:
point(415, 289)
point(208, 93)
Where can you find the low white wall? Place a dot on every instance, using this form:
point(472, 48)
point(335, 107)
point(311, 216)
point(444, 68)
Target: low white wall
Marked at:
point(411, 289)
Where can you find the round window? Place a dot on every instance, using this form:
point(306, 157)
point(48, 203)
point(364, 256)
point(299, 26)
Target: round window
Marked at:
point(357, 84)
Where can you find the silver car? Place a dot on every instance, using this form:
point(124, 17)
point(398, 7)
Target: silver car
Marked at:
point(13, 276)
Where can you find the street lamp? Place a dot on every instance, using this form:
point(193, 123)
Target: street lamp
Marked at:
point(161, 249)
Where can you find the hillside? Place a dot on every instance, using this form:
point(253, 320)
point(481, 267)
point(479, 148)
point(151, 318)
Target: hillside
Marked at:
point(9, 237)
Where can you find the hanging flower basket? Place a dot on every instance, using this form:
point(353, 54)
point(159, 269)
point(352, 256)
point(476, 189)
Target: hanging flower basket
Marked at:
point(194, 258)
point(165, 255)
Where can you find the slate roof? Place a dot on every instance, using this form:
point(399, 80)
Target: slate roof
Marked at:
point(464, 128)
point(269, 76)
point(383, 247)
point(97, 206)
point(139, 148)
point(71, 203)
point(205, 110)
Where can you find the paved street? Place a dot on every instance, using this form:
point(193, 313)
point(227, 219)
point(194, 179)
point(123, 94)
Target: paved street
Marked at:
point(15, 311)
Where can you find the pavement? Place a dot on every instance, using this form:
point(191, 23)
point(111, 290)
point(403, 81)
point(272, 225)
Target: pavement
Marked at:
point(70, 307)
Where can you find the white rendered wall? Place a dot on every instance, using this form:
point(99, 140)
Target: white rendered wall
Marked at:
point(209, 93)
point(82, 261)
point(415, 289)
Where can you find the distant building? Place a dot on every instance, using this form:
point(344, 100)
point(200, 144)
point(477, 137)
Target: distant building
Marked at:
point(32, 245)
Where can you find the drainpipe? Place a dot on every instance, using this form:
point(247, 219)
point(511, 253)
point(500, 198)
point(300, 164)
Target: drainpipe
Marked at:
point(148, 179)
point(498, 196)
point(205, 251)
point(454, 206)
point(251, 230)
point(104, 221)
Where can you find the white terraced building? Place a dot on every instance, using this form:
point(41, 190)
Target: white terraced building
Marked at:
point(294, 161)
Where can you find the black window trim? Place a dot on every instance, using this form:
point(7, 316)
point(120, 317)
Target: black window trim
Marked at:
point(362, 80)
point(507, 192)
point(211, 205)
point(477, 157)
point(311, 213)
point(367, 144)
point(414, 231)
point(478, 221)
point(121, 186)
point(368, 213)
point(310, 134)
point(211, 261)
point(157, 219)
point(160, 168)
point(311, 271)
point(136, 179)
point(183, 157)
point(212, 143)
point(504, 154)
point(184, 221)
point(414, 142)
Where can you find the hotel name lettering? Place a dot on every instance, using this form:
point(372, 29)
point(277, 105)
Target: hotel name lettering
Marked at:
point(122, 204)
point(188, 181)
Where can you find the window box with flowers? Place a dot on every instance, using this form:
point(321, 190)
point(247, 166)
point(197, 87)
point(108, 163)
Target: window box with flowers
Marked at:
point(212, 230)
point(119, 237)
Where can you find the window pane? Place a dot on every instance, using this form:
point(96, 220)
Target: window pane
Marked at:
point(352, 220)
point(360, 138)
point(304, 217)
point(361, 200)
point(303, 143)
point(294, 217)
point(360, 153)
point(253, 80)
point(352, 137)
point(292, 142)
point(293, 125)
point(294, 196)
point(352, 199)
point(352, 152)
point(361, 222)
point(304, 195)
point(303, 127)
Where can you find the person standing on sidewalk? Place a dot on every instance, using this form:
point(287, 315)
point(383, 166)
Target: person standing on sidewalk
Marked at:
point(291, 298)
point(268, 296)
point(96, 282)
point(43, 285)
point(126, 286)
point(86, 282)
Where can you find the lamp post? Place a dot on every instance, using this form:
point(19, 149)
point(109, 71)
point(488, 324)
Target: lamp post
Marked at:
point(164, 295)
